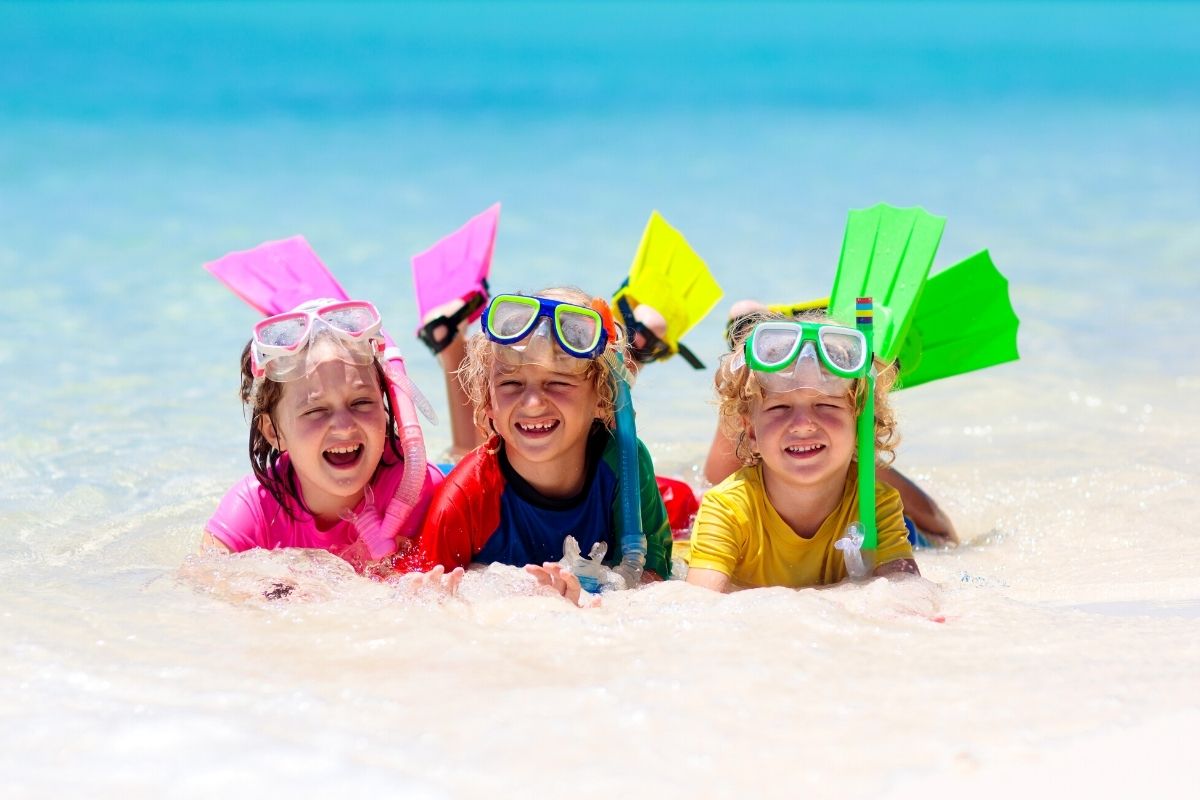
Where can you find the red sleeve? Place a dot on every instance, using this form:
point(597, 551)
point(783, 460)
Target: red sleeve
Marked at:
point(464, 512)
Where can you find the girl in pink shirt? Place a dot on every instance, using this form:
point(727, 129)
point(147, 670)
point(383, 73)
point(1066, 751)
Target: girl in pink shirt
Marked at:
point(325, 446)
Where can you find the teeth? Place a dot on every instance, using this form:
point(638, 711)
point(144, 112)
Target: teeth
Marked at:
point(803, 448)
point(350, 449)
point(537, 426)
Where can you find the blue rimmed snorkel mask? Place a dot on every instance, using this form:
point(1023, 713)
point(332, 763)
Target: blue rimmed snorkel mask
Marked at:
point(556, 334)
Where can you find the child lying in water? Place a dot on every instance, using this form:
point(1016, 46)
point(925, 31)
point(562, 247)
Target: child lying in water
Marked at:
point(541, 383)
point(788, 402)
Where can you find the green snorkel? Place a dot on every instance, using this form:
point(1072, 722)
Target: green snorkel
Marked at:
point(864, 321)
point(864, 535)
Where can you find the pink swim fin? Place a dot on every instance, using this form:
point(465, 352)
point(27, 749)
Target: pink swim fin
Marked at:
point(456, 268)
point(277, 276)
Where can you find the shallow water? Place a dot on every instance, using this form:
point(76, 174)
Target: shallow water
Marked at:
point(1060, 643)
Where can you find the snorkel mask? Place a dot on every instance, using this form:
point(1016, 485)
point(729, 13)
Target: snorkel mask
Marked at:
point(555, 334)
point(787, 356)
point(287, 347)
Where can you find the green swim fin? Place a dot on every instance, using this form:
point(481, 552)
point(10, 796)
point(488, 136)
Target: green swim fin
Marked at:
point(668, 275)
point(886, 255)
point(964, 321)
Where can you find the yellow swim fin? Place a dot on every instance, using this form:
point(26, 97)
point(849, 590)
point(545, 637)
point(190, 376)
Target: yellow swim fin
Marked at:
point(795, 309)
point(669, 276)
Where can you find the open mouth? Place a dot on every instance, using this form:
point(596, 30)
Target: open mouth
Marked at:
point(804, 450)
point(343, 456)
point(537, 428)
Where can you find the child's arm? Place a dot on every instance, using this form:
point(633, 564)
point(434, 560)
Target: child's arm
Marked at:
point(716, 544)
point(211, 544)
point(238, 522)
point(465, 510)
point(920, 507)
point(721, 461)
point(463, 434)
point(709, 579)
point(654, 521)
point(894, 554)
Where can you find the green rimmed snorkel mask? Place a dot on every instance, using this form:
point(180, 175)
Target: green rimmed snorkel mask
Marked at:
point(787, 356)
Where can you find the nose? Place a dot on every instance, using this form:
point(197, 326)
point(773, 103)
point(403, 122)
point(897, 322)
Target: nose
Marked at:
point(533, 396)
point(342, 419)
point(802, 418)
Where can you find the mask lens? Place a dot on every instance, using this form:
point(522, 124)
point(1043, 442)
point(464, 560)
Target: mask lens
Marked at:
point(510, 319)
point(578, 331)
point(843, 349)
point(287, 331)
point(353, 319)
point(775, 346)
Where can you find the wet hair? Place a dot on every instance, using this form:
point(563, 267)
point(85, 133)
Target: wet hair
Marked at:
point(737, 389)
point(260, 396)
point(475, 372)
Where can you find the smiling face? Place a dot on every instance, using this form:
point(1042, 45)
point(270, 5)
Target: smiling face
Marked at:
point(544, 418)
point(805, 438)
point(333, 425)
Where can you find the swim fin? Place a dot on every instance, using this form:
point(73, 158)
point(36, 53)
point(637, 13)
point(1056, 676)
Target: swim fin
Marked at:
point(277, 276)
point(886, 255)
point(455, 268)
point(795, 309)
point(668, 275)
point(964, 321)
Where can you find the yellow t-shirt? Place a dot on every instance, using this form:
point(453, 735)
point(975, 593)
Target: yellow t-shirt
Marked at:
point(739, 533)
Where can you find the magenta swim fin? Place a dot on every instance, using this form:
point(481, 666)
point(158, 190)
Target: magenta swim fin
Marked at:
point(456, 268)
point(277, 276)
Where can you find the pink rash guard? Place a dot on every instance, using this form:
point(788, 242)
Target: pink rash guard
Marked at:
point(248, 516)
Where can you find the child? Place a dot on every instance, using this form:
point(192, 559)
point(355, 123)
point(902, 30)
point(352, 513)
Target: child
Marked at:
point(927, 522)
point(324, 442)
point(541, 379)
point(788, 402)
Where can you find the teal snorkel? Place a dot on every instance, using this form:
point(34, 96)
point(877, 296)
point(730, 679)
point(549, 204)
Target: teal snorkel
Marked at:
point(593, 576)
point(633, 538)
point(864, 535)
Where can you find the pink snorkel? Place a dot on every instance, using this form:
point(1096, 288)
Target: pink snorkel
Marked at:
point(278, 276)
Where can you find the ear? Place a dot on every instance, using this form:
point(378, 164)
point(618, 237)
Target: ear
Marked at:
point(751, 437)
point(748, 427)
point(267, 428)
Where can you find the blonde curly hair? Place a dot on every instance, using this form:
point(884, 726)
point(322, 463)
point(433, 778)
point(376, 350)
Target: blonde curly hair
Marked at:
point(737, 389)
point(475, 372)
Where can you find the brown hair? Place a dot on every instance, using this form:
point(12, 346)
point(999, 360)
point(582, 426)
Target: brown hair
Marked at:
point(260, 396)
point(475, 372)
point(736, 389)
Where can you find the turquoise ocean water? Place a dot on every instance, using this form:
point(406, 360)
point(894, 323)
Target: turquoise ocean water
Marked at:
point(139, 140)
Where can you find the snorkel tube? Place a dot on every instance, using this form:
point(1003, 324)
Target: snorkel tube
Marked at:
point(863, 535)
point(405, 400)
point(864, 320)
point(381, 535)
point(633, 538)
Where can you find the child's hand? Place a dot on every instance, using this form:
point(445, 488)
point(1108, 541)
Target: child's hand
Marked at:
point(554, 576)
point(435, 584)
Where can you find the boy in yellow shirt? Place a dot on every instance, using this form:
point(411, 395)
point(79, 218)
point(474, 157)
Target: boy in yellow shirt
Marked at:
point(790, 394)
